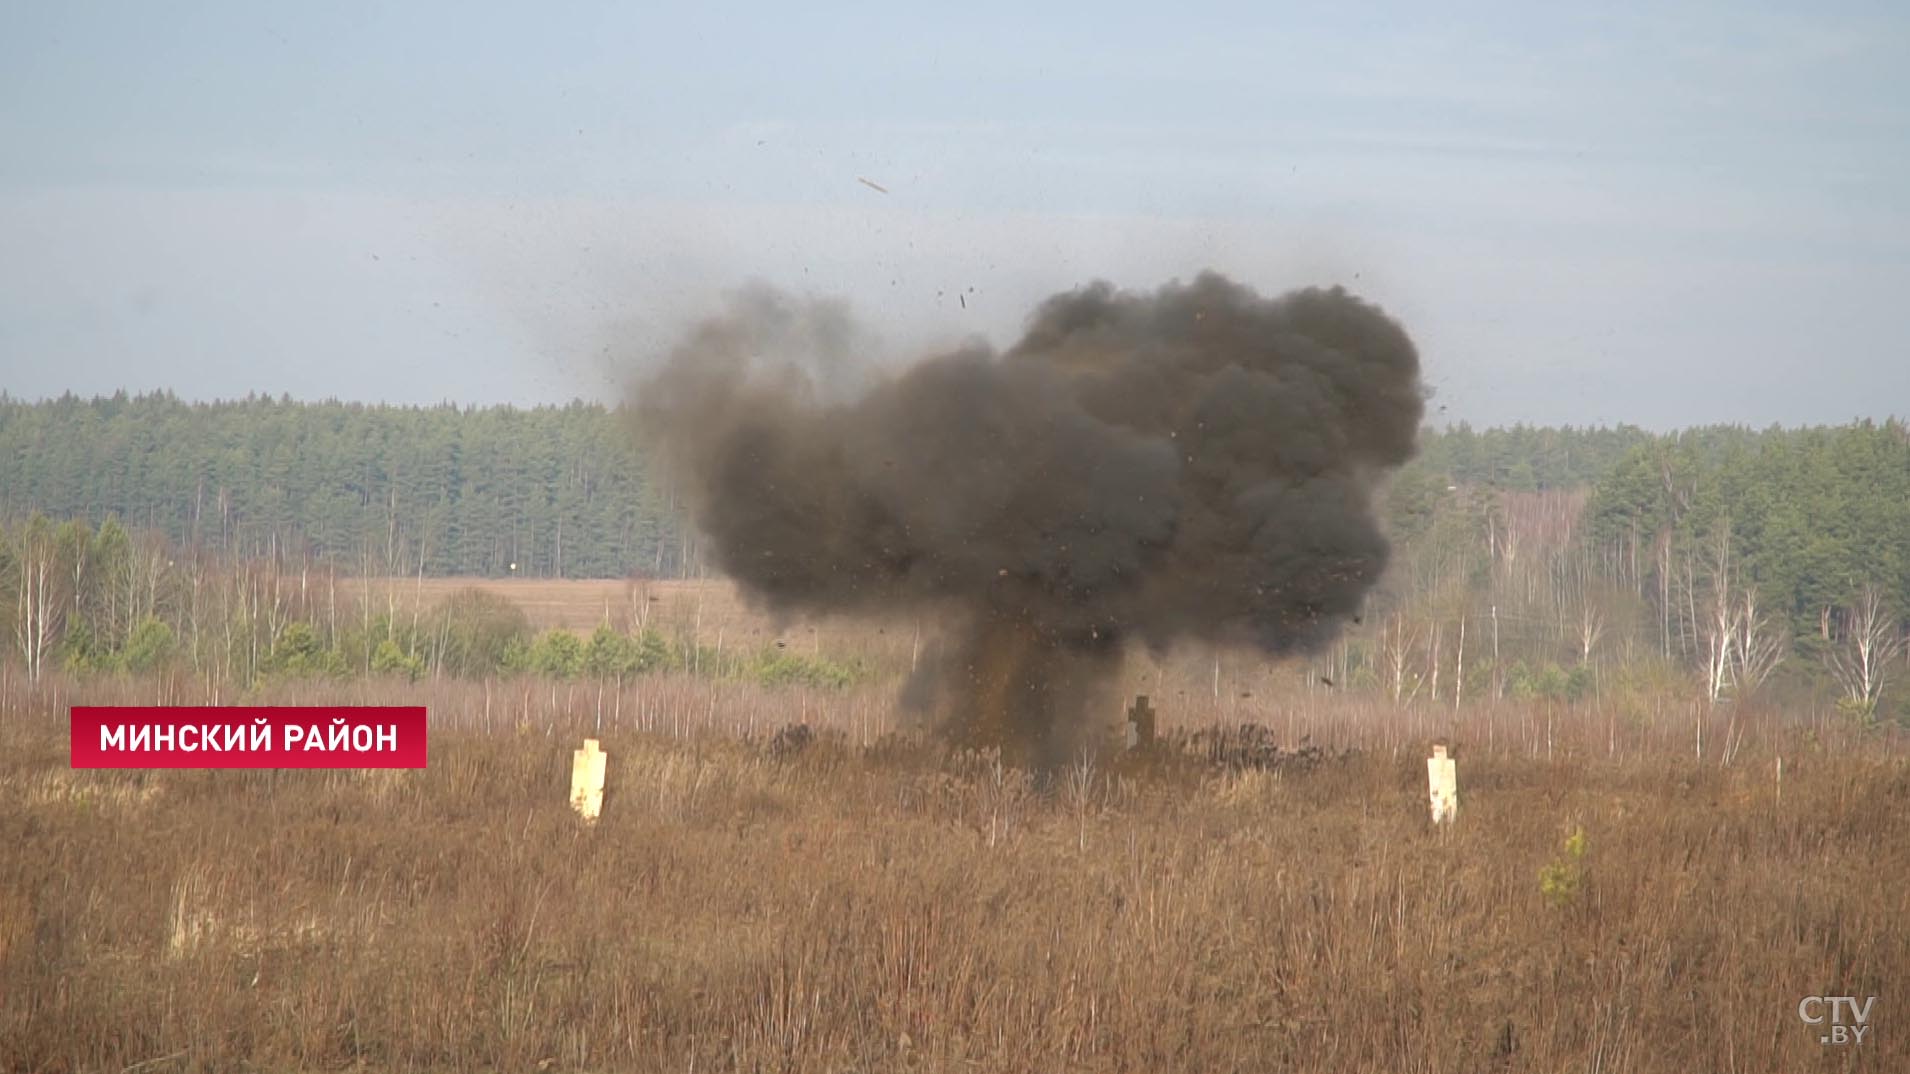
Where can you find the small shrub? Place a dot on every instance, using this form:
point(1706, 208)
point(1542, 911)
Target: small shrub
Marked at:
point(151, 646)
point(611, 654)
point(389, 659)
point(1563, 878)
point(557, 653)
point(773, 668)
point(298, 653)
point(478, 632)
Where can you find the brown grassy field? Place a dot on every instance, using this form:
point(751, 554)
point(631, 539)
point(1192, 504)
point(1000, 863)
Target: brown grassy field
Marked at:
point(892, 906)
point(567, 603)
point(709, 609)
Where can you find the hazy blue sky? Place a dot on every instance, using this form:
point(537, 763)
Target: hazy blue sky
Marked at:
point(1676, 214)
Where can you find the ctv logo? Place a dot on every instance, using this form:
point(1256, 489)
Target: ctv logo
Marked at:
point(1843, 1019)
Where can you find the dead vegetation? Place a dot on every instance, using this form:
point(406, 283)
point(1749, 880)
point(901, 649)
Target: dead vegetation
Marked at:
point(880, 904)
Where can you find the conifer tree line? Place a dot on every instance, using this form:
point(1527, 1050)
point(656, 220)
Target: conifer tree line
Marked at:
point(491, 492)
point(1555, 563)
point(449, 491)
point(1730, 561)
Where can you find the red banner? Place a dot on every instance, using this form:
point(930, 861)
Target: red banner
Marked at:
point(248, 736)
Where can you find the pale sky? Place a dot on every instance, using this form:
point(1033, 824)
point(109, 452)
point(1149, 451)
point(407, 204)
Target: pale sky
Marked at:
point(1667, 215)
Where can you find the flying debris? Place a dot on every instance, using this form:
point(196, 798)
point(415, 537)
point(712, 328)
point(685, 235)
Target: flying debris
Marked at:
point(872, 185)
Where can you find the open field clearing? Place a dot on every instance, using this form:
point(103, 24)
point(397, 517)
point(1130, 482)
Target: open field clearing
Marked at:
point(709, 607)
point(897, 907)
point(709, 612)
point(578, 604)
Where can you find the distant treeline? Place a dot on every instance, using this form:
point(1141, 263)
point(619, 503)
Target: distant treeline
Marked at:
point(1545, 563)
point(1807, 516)
point(557, 491)
point(563, 492)
point(1776, 557)
point(1522, 458)
point(1801, 519)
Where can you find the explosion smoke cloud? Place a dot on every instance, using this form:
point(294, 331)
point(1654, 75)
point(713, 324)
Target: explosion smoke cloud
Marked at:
point(1194, 463)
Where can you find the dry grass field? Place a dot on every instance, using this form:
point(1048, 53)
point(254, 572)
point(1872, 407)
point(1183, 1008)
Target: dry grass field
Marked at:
point(876, 903)
point(567, 603)
point(709, 608)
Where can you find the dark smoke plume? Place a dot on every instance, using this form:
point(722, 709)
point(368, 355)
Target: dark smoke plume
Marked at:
point(1196, 463)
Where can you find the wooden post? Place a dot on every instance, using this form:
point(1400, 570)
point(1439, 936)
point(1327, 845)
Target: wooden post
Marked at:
point(587, 780)
point(1442, 778)
point(1140, 724)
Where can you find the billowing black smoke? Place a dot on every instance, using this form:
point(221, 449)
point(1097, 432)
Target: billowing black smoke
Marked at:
point(1196, 463)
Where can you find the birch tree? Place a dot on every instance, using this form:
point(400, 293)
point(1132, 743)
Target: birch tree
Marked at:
point(1717, 627)
point(1870, 642)
point(40, 596)
point(1757, 645)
